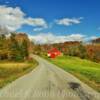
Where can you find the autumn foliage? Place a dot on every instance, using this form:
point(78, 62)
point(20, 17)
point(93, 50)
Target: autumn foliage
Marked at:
point(89, 51)
point(14, 47)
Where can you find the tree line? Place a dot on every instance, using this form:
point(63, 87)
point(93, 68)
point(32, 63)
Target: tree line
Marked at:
point(13, 49)
point(17, 47)
point(75, 48)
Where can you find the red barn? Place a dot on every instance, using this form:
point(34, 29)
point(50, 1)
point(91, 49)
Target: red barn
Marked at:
point(53, 53)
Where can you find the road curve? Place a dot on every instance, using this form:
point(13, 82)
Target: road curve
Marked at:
point(48, 82)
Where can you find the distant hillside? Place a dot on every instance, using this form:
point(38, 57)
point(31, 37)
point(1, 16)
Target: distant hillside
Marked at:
point(73, 48)
point(64, 47)
point(96, 40)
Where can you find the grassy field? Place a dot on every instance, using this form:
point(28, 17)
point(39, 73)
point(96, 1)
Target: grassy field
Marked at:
point(9, 71)
point(85, 70)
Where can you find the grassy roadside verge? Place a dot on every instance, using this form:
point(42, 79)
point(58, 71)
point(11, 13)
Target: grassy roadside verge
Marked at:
point(86, 71)
point(10, 71)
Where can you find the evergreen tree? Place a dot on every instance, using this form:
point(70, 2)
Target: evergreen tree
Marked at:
point(24, 49)
point(82, 50)
point(14, 47)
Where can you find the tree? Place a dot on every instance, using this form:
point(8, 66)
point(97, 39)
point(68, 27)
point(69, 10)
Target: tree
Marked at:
point(83, 53)
point(24, 49)
point(3, 49)
point(13, 46)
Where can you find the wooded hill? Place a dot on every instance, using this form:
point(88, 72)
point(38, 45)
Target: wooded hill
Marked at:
point(85, 51)
point(96, 41)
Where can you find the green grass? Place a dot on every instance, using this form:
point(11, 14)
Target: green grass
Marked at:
point(85, 70)
point(9, 71)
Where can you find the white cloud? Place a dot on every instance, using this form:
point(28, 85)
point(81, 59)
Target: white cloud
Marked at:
point(36, 22)
point(93, 37)
point(38, 29)
point(68, 21)
point(43, 38)
point(15, 18)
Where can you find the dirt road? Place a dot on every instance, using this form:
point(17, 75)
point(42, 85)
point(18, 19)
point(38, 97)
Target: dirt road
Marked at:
point(48, 82)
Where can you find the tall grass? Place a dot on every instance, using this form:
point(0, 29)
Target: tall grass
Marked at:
point(9, 71)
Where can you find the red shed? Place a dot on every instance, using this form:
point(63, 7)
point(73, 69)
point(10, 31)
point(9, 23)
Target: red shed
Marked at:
point(53, 53)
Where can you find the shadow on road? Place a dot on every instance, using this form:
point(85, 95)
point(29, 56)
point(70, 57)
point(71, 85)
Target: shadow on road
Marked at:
point(78, 89)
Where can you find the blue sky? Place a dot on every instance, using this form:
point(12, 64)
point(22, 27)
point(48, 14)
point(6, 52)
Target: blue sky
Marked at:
point(57, 17)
